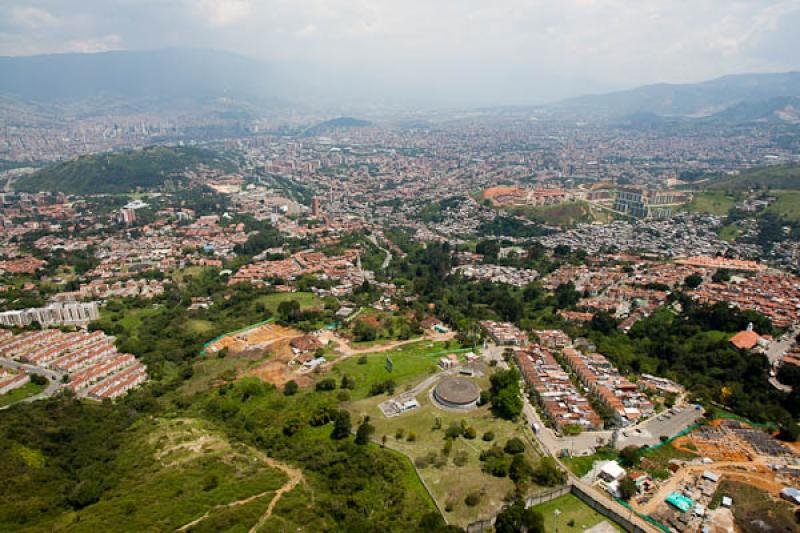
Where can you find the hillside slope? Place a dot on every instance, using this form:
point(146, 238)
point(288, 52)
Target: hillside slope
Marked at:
point(704, 99)
point(118, 172)
point(777, 177)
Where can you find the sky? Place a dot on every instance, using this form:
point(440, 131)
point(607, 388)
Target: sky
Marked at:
point(455, 51)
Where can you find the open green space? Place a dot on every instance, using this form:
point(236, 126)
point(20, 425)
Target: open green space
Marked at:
point(26, 391)
point(574, 515)
point(565, 214)
point(580, 466)
point(754, 509)
point(271, 302)
point(787, 204)
point(420, 434)
point(409, 362)
point(714, 202)
point(176, 471)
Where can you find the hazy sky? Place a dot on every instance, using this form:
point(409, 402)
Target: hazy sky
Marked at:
point(487, 51)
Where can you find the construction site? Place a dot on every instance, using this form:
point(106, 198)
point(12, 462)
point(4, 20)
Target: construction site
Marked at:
point(731, 458)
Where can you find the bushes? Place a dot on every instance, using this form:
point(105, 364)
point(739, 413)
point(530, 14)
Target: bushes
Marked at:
point(488, 436)
point(514, 446)
point(290, 389)
point(382, 387)
point(325, 385)
point(473, 499)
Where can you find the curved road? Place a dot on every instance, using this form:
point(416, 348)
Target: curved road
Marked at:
point(54, 378)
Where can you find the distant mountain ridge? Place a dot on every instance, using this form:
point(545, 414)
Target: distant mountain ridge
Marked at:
point(735, 97)
point(336, 123)
point(135, 76)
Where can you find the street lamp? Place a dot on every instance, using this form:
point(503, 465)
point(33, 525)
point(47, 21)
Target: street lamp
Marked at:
point(556, 512)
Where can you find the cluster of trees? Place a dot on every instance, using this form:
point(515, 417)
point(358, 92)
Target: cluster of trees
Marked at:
point(504, 394)
point(58, 455)
point(692, 347)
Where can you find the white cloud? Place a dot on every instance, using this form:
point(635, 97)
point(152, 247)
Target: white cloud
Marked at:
point(33, 18)
point(221, 13)
point(97, 44)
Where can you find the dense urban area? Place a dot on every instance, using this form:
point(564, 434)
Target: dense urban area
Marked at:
point(497, 320)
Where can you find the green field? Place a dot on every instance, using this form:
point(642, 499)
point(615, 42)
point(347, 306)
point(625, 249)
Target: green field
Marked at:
point(714, 202)
point(29, 389)
point(566, 214)
point(409, 362)
point(574, 515)
point(787, 205)
point(306, 300)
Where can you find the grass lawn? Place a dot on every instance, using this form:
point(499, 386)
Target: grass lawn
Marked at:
point(410, 362)
point(29, 389)
point(306, 300)
point(714, 202)
point(575, 515)
point(199, 327)
point(754, 509)
point(450, 483)
point(172, 472)
point(580, 466)
point(787, 204)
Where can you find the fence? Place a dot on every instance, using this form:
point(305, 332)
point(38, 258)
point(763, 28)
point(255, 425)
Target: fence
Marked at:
point(240, 330)
point(599, 505)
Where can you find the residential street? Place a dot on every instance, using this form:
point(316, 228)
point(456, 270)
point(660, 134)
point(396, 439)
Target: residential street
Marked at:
point(54, 379)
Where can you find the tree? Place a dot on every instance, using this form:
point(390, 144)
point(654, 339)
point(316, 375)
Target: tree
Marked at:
point(341, 425)
point(629, 455)
point(514, 446)
point(693, 280)
point(548, 474)
point(627, 488)
point(520, 470)
point(289, 310)
point(290, 389)
point(516, 518)
point(347, 382)
point(566, 295)
point(603, 322)
point(365, 429)
point(504, 394)
point(721, 275)
point(325, 384)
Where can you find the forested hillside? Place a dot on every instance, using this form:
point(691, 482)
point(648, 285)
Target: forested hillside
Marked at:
point(118, 172)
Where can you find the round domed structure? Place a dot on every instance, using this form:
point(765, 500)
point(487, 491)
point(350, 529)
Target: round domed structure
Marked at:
point(457, 393)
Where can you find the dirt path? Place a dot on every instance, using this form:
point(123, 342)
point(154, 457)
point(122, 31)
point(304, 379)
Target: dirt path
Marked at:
point(347, 350)
point(295, 476)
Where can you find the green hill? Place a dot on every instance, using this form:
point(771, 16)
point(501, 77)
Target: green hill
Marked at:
point(118, 172)
point(778, 177)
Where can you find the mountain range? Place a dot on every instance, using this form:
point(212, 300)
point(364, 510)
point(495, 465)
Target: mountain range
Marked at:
point(133, 81)
point(734, 98)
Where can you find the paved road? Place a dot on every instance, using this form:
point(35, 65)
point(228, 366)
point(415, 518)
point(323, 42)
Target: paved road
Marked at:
point(388, 258)
point(647, 433)
point(54, 378)
point(776, 351)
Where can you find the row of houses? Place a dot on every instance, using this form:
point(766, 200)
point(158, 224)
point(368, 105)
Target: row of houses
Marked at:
point(622, 397)
point(504, 333)
point(557, 396)
point(90, 360)
point(10, 381)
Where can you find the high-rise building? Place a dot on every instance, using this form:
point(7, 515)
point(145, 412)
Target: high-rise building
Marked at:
point(315, 210)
